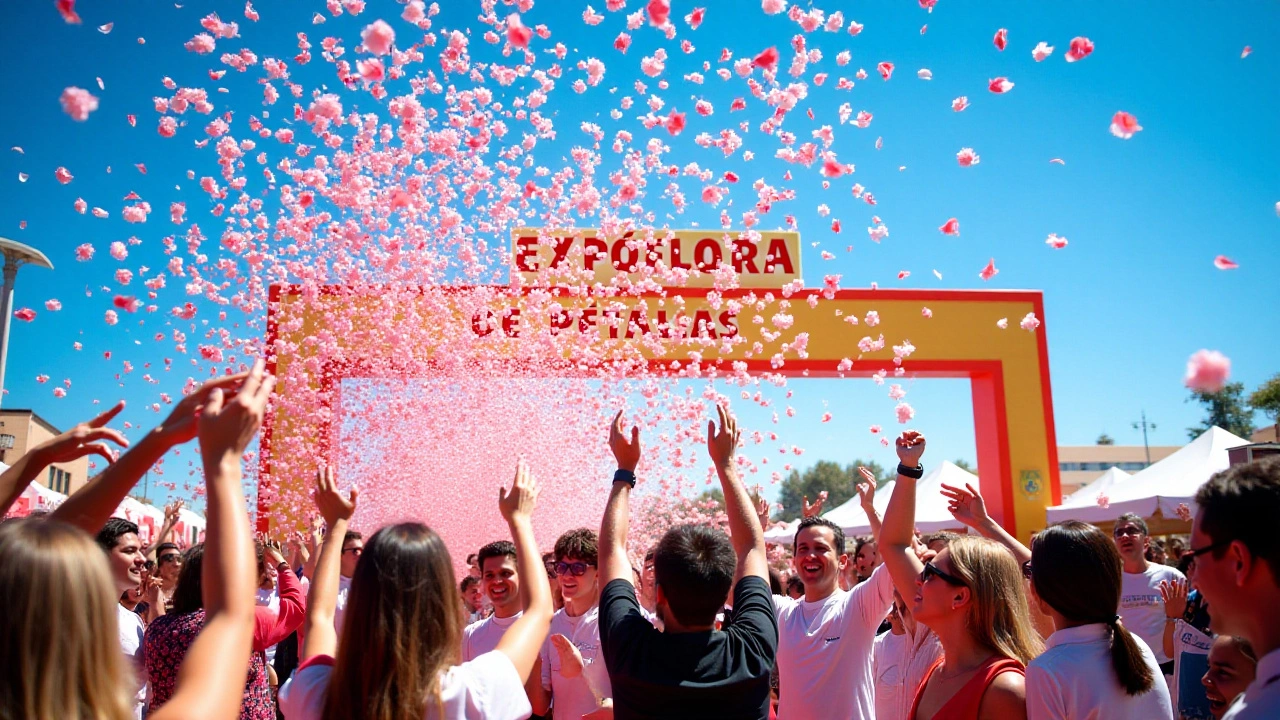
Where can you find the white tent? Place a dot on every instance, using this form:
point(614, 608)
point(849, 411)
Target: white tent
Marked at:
point(781, 533)
point(1166, 484)
point(932, 514)
point(148, 518)
point(190, 527)
point(36, 498)
point(1107, 484)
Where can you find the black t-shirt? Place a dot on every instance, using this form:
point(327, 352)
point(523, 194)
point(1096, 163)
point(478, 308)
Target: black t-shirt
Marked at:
point(715, 674)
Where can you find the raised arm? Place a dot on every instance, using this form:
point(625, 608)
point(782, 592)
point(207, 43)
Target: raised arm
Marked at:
point(523, 640)
point(211, 679)
point(319, 635)
point(968, 507)
point(272, 627)
point(83, 439)
point(744, 526)
point(314, 538)
point(617, 513)
point(1174, 595)
point(170, 520)
point(89, 508)
point(897, 531)
point(866, 497)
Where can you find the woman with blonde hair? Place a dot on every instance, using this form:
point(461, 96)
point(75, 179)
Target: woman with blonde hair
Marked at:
point(60, 657)
point(970, 595)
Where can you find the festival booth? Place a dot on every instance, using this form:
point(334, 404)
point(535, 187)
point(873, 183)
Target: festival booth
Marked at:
point(932, 514)
point(189, 529)
point(148, 518)
point(1156, 492)
point(36, 498)
point(1105, 485)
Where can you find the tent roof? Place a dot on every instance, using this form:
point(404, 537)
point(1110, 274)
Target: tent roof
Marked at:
point(1164, 485)
point(1106, 483)
point(931, 506)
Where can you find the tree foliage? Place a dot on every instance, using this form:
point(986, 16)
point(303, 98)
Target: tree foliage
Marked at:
point(823, 475)
point(1266, 399)
point(1226, 409)
point(1105, 439)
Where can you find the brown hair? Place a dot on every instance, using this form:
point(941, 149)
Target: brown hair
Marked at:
point(188, 595)
point(401, 631)
point(1242, 503)
point(998, 615)
point(581, 544)
point(55, 631)
point(1076, 569)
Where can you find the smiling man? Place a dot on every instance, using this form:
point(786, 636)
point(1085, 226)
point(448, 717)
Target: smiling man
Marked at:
point(1141, 604)
point(118, 538)
point(500, 581)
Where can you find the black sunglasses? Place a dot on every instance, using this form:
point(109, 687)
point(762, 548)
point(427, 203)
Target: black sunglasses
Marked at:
point(577, 569)
point(170, 557)
point(1207, 548)
point(931, 569)
point(354, 551)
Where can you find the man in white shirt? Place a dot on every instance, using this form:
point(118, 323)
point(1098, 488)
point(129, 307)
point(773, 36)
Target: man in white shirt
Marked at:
point(900, 660)
point(119, 540)
point(352, 547)
point(825, 640)
point(501, 582)
point(1237, 552)
point(572, 697)
point(1141, 604)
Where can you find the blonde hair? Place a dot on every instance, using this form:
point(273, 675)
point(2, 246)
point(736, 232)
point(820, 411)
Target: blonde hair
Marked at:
point(58, 635)
point(998, 615)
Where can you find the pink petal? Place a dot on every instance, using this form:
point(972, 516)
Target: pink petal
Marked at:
point(1222, 262)
point(1207, 371)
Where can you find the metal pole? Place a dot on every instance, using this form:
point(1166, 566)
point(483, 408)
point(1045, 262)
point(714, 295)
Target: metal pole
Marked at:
point(1145, 446)
point(6, 309)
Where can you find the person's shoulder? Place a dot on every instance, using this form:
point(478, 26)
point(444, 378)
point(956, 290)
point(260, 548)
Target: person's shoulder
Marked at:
point(1005, 697)
point(1159, 572)
point(474, 627)
point(303, 694)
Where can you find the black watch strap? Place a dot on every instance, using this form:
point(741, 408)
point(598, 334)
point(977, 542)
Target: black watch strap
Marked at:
point(916, 472)
point(626, 476)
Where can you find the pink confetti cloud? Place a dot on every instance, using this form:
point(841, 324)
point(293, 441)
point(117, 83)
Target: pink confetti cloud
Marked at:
point(1207, 371)
point(78, 103)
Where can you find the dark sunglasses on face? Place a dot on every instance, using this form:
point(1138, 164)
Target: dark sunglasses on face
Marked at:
point(354, 551)
point(170, 557)
point(1121, 532)
point(932, 570)
point(577, 569)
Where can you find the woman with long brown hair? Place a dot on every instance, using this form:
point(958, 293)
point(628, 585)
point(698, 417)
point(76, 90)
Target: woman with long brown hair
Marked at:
point(970, 595)
point(398, 655)
point(1093, 667)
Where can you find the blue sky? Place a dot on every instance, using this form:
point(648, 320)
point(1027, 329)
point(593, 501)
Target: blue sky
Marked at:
point(1131, 297)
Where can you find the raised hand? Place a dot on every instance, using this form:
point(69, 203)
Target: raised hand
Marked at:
point(571, 662)
point(182, 423)
point(518, 503)
point(227, 426)
point(722, 444)
point(910, 447)
point(966, 505)
point(1174, 594)
point(329, 501)
point(808, 510)
point(627, 453)
point(866, 488)
point(762, 513)
point(83, 439)
point(171, 512)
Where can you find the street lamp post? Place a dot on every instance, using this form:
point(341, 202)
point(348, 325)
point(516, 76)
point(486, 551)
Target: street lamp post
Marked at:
point(15, 256)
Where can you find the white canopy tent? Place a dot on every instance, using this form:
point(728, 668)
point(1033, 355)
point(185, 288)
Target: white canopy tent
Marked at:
point(781, 533)
point(932, 514)
point(1107, 484)
point(1162, 486)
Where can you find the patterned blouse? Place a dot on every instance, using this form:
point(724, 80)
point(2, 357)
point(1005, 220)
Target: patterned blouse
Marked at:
point(165, 645)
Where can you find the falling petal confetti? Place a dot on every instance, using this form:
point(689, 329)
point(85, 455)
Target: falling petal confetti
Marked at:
point(1207, 371)
point(1222, 262)
point(1055, 242)
point(78, 103)
point(1124, 125)
point(1080, 48)
point(1041, 51)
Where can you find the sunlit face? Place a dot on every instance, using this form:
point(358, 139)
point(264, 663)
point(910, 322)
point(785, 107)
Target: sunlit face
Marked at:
point(1131, 541)
point(817, 562)
point(578, 587)
point(472, 598)
point(168, 566)
point(868, 559)
point(646, 583)
point(351, 551)
point(127, 560)
point(936, 598)
point(1216, 581)
point(1230, 672)
point(501, 583)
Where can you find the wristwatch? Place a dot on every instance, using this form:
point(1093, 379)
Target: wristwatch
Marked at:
point(626, 476)
point(916, 472)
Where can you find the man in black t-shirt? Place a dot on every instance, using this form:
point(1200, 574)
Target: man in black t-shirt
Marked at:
point(690, 669)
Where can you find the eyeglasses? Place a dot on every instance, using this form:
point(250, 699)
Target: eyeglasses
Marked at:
point(354, 551)
point(1123, 531)
point(170, 557)
point(1026, 569)
point(1192, 553)
point(932, 570)
point(577, 569)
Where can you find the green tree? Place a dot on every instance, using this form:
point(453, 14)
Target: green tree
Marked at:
point(1266, 400)
point(712, 493)
point(1226, 409)
point(822, 475)
point(964, 465)
point(1105, 439)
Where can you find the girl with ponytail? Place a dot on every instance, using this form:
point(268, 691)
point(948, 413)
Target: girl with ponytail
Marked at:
point(1092, 667)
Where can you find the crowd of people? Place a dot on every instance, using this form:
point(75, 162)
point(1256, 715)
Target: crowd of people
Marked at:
point(894, 626)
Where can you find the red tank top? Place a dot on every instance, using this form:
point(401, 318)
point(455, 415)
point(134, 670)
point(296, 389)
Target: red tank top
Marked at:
point(965, 703)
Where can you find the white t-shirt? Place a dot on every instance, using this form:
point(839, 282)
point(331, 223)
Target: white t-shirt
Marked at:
point(131, 630)
point(483, 636)
point(1074, 678)
point(898, 664)
point(487, 688)
point(575, 697)
point(1142, 607)
point(824, 650)
point(344, 588)
point(270, 599)
point(1262, 698)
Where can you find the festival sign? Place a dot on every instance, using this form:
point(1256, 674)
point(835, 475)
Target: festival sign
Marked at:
point(672, 258)
point(687, 332)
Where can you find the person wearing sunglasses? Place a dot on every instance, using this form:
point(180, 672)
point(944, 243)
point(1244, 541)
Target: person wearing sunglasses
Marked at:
point(1093, 666)
point(971, 596)
point(1237, 556)
point(577, 693)
point(168, 566)
point(1142, 607)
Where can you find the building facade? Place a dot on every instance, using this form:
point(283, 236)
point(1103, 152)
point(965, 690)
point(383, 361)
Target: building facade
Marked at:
point(1078, 465)
point(21, 430)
